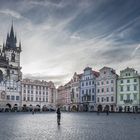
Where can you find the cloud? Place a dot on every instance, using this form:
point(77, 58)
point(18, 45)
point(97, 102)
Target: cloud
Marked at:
point(12, 13)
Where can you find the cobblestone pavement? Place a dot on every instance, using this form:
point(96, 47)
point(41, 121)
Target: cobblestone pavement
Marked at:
point(74, 126)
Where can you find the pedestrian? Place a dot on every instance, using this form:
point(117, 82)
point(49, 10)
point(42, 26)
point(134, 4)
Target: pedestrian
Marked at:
point(33, 111)
point(58, 115)
point(107, 111)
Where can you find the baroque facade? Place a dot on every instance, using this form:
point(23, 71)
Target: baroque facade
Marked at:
point(37, 94)
point(128, 90)
point(10, 73)
point(106, 89)
point(88, 90)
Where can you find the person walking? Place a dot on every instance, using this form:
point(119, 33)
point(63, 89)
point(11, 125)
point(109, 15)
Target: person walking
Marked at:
point(58, 115)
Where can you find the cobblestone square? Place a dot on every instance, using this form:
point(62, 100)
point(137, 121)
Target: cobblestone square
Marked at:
point(74, 126)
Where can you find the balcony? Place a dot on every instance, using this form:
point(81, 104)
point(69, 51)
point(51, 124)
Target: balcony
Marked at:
point(128, 101)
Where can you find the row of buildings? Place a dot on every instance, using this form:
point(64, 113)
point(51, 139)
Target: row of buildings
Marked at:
point(92, 91)
point(88, 91)
point(17, 93)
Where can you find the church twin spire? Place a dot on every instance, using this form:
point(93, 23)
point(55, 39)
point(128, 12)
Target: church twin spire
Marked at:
point(11, 41)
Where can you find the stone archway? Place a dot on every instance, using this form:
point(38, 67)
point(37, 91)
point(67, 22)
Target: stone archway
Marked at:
point(100, 108)
point(74, 108)
point(106, 108)
point(120, 108)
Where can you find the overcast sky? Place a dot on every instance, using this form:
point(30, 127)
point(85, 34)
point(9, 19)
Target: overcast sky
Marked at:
point(60, 37)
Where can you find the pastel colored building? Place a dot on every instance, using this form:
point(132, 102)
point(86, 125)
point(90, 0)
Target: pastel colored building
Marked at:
point(75, 92)
point(106, 90)
point(88, 90)
point(128, 90)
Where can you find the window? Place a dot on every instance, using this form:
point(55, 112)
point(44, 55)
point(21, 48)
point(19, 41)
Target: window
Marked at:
point(12, 97)
point(107, 82)
point(121, 88)
point(92, 90)
point(36, 92)
point(24, 91)
point(112, 98)
point(28, 91)
point(86, 83)
point(135, 87)
point(24, 86)
point(46, 99)
point(102, 83)
point(102, 99)
point(86, 91)
point(98, 83)
point(112, 89)
point(8, 97)
point(112, 81)
point(39, 92)
point(107, 90)
point(82, 91)
point(107, 99)
point(31, 98)
point(31, 92)
point(98, 90)
point(36, 99)
point(89, 82)
point(135, 96)
point(92, 82)
point(121, 97)
point(82, 84)
point(102, 89)
point(89, 91)
point(17, 97)
point(128, 88)
point(92, 97)
point(121, 81)
point(128, 96)
point(43, 99)
point(24, 99)
point(28, 98)
point(12, 72)
point(128, 81)
point(98, 99)
point(135, 80)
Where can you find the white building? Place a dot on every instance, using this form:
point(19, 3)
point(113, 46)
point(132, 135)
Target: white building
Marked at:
point(106, 89)
point(75, 92)
point(128, 90)
point(88, 90)
point(38, 95)
point(10, 73)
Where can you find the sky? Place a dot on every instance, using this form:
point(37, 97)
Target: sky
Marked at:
point(60, 37)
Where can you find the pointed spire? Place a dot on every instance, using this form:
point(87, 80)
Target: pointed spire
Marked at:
point(11, 39)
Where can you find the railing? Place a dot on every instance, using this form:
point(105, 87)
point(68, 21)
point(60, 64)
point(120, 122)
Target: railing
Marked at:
point(128, 101)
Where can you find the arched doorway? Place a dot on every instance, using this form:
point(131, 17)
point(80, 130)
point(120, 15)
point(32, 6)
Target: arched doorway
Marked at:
point(44, 108)
point(100, 108)
point(8, 107)
point(120, 108)
point(37, 107)
point(74, 108)
point(106, 108)
point(91, 108)
point(24, 108)
point(15, 107)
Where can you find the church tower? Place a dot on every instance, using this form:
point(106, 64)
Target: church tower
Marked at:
point(12, 52)
point(10, 73)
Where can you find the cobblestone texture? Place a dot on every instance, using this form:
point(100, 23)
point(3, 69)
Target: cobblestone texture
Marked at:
point(74, 126)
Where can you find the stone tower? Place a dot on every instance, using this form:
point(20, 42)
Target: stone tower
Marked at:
point(10, 73)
